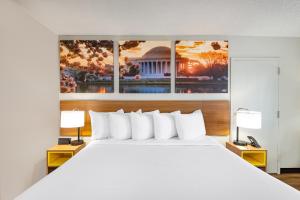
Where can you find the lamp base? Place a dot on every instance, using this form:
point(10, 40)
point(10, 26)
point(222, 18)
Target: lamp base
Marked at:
point(240, 143)
point(77, 142)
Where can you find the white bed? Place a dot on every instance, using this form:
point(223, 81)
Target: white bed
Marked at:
point(160, 170)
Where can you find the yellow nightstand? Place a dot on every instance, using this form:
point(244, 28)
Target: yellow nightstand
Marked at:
point(255, 156)
point(59, 154)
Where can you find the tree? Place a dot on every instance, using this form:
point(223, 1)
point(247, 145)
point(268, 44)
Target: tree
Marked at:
point(129, 44)
point(213, 58)
point(92, 52)
point(134, 70)
point(216, 45)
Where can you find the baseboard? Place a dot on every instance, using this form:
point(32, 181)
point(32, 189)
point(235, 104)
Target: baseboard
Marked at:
point(289, 170)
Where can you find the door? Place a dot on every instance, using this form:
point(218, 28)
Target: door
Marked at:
point(254, 85)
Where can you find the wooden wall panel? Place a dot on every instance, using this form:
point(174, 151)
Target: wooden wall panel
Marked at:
point(216, 113)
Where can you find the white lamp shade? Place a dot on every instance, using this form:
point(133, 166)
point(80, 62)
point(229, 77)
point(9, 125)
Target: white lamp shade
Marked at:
point(248, 119)
point(71, 119)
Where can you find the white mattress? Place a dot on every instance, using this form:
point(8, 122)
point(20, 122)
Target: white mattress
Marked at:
point(158, 170)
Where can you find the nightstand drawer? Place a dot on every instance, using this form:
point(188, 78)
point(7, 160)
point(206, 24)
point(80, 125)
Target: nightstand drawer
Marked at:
point(56, 159)
point(256, 158)
point(59, 154)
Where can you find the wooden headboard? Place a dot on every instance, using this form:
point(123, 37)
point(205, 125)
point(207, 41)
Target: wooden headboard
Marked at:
point(216, 113)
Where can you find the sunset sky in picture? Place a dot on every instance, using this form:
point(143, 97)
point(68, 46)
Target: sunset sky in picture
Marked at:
point(194, 49)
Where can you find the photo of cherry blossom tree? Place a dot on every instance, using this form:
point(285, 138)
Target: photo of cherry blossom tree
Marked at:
point(86, 66)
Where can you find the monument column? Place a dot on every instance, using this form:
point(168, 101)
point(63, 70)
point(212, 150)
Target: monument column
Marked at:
point(160, 66)
point(153, 66)
point(141, 67)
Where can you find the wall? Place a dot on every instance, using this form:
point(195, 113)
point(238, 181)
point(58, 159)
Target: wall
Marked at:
point(286, 49)
point(262, 96)
point(29, 100)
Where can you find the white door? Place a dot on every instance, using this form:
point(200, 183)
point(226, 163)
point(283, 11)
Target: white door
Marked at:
point(254, 85)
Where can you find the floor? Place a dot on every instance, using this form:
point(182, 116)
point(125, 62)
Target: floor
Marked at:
point(292, 179)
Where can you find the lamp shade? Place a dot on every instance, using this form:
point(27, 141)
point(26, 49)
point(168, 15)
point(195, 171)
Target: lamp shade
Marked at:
point(248, 119)
point(71, 119)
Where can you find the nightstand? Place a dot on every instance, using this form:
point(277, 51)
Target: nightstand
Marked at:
point(59, 154)
point(255, 156)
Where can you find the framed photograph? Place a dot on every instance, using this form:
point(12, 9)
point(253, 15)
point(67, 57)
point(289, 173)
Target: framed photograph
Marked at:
point(86, 66)
point(144, 66)
point(201, 67)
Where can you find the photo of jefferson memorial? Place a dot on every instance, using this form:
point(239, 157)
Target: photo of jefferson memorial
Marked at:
point(155, 63)
point(144, 66)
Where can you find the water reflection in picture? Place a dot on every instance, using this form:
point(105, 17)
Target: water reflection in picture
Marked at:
point(144, 89)
point(94, 88)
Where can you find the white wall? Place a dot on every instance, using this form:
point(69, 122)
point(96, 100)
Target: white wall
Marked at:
point(262, 96)
point(288, 50)
point(29, 103)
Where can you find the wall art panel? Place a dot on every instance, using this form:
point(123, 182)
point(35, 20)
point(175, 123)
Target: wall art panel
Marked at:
point(144, 66)
point(201, 66)
point(86, 66)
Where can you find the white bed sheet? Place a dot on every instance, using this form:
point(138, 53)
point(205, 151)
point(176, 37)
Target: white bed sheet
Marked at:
point(158, 170)
point(206, 140)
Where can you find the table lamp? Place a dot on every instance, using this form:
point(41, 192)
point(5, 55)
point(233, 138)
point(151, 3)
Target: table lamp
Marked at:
point(246, 119)
point(73, 119)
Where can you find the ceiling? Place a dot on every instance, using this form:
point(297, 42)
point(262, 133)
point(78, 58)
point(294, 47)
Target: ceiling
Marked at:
point(167, 17)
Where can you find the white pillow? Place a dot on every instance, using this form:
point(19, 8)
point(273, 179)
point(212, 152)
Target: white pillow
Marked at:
point(142, 125)
point(138, 111)
point(164, 125)
point(190, 126)
point(100, 124)
point(120, 127)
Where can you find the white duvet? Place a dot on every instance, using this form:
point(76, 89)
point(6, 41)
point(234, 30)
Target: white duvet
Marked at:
point(158, 170)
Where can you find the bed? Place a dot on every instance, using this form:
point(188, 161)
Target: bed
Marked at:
point(160, 170)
